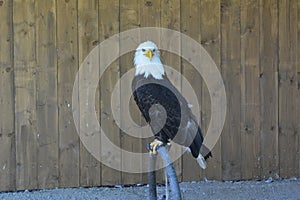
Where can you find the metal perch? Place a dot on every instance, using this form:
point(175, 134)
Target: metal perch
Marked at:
point(170, 175)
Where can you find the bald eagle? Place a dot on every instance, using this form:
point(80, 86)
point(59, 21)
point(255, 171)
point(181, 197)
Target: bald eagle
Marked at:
point(163, 106)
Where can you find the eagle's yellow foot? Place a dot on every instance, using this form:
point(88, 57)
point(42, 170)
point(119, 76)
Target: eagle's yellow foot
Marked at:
point(154, 145)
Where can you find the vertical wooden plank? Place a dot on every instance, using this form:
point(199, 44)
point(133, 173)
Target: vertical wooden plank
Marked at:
point(269, 88)
point(231, 55)
point(298, 76)
point(7, 130)
point(210, 40)
point(129, 18)
point(6, 37)
point(108, 26)
point(90, 168)
point(170, 18)
point(190, 26)
point(288, 86)
point(67, 44)
point(150, 14)
point(150, 17)
point(46, 86)
point(250, 90)
point(25, 94)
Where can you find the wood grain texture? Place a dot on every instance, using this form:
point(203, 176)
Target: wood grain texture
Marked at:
point(67, 45)
point(298, 92)
point(108, 26)
point(189, 18)
point(129, 18)
point(90, 167)
point(46, 95)
point(269, 88)
point(250, 102)
point(25, 94)
point(288, 89)
point(210, 16)
point(7, 123)
point(230, 65)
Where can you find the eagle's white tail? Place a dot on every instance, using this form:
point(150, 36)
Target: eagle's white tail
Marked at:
point(201, 161)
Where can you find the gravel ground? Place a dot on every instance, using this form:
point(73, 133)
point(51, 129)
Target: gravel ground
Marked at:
point(269, 189)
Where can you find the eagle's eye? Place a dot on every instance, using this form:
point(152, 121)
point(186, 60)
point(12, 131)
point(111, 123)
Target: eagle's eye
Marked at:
point(143, 50)
point(153, 50)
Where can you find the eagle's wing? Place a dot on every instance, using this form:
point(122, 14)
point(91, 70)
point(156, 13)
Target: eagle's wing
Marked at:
point(168, 113)
point(165, 109)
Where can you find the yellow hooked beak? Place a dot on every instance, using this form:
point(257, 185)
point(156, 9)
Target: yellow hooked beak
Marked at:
point(149, 54)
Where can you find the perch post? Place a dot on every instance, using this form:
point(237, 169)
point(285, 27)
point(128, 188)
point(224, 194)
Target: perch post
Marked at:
point(170, 174)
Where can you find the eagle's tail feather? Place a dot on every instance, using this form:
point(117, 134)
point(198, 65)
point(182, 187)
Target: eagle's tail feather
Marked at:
point(198, 150)
point(201, 161)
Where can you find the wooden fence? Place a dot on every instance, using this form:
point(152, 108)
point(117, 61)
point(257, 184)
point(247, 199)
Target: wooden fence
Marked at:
point(255, 44)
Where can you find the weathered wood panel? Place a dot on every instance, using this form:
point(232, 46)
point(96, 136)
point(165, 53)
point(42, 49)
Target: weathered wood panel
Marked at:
point(298, 77)
point(129, 18)
point(250, 102)
point(25, 94)
point(46, 94)
point(109, 25)
point(288, 86)
point(230, 65)
point(269, 88)
point(67, 45)
point(210, 40)
point(7, 126)
point(189, 17)
point(90, 168)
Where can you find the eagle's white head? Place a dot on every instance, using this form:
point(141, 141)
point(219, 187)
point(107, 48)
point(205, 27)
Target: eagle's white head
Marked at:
point(147, 61)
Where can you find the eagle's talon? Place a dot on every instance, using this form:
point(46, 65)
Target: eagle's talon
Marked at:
point(154, 145)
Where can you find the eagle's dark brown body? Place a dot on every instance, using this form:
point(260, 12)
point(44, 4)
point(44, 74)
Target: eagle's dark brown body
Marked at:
point(170, 116)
